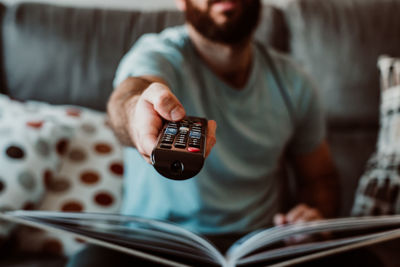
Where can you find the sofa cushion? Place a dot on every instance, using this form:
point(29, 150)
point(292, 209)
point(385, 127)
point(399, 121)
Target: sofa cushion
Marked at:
point(30, 151)
point(66, 55)
point(88, 180)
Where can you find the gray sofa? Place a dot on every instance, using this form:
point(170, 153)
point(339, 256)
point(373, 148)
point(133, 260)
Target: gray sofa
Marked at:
point(66, 55)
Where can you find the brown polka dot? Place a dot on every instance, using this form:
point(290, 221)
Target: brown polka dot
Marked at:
point(73, 112)
point(35, 124)
point(72, 206)
point(2, 185)
point(47, 178)
point(117, 168)
point(61, 146)
point(59, 185)
point(52, 246)
point(15, 152)
point(104, 199)
point(29, 206)
point(102, 148)
point(90, 177)
point(77, 155)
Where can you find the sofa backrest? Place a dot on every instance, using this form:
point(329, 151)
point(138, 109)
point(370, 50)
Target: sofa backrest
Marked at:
point(338, 42)
point(2, 74)
point(66, 55)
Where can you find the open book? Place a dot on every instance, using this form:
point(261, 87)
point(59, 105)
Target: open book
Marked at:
point(169, 244)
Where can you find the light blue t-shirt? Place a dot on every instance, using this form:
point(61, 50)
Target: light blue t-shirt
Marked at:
point(239, 187)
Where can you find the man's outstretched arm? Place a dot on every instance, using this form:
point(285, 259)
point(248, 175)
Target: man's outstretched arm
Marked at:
point(137, 108)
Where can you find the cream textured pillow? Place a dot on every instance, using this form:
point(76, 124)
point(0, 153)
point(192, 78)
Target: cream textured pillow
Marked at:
point(378, 190)
point(30, 148)
point(90, 178)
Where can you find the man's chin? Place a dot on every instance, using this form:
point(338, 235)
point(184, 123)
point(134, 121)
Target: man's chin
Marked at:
point(232, 25)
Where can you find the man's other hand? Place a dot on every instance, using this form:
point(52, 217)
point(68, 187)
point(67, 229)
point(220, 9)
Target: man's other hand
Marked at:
point(300, 213)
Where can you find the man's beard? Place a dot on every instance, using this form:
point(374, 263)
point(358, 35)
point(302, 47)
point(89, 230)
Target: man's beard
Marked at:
point(235, 31)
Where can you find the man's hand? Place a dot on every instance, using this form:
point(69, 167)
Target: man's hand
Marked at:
point(300, 213)
point(143, 112)
point(145, 119)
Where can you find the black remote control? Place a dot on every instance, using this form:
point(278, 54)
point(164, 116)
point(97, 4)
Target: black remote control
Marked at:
point(180, 150)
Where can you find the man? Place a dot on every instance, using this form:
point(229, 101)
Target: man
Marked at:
point(212, 68)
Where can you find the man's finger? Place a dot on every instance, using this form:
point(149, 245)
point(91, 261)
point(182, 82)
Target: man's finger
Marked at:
point(146, 128)
point(295, 213)
point(310, 215)
point(279, 219)
point(164, 102)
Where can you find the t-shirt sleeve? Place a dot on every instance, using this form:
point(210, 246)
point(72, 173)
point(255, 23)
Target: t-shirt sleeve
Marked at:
point(150, 55)
point(309, 130)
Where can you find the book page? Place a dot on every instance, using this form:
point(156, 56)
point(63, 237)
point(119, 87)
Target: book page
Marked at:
point(129, 232)
point(301, 249)
point(263, 238)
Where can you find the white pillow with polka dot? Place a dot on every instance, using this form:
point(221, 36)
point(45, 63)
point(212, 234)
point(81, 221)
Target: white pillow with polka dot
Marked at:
point(90, 178)
point(378, 191)
point(30, 148)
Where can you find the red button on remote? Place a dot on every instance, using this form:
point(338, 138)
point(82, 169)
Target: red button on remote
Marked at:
point(193, 149)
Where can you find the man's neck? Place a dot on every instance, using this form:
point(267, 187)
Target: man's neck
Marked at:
point(231, 63)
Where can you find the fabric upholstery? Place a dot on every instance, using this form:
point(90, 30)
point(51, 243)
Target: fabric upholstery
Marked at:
point(338, 42)
point(66, 55)
point(30, 150)
point(59, 158)
point(89, 179)
point(379, 187)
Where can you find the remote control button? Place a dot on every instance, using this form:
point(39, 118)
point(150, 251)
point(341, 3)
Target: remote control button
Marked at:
point(183, 129)
point(193, 145)
point(194, 134)
point(193, 149)
point(180, 145)
point(197, 123)
point(171, 131)
point(166, 146)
